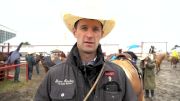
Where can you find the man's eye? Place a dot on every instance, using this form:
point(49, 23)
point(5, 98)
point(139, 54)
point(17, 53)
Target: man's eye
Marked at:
point(96, 29)
point(84, 28)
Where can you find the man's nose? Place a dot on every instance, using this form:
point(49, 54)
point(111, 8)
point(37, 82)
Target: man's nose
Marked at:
point(89, 33)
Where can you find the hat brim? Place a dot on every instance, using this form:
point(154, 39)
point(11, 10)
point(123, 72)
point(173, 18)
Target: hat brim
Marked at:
point(70, 20)
point(143, 57)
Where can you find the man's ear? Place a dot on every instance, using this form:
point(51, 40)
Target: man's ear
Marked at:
point(74, 32)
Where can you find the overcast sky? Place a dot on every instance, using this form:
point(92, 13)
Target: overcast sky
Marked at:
point(40, 21)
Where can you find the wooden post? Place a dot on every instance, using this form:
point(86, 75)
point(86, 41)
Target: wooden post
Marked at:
point(27, 72)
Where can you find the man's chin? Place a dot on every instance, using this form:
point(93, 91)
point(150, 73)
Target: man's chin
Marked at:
point(89, 51)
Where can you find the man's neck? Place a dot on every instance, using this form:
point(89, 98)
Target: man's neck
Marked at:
point(87, 57)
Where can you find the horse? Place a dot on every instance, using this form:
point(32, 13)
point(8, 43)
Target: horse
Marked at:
point(49, 61)
point(158, 58)
point(124, 61)
point(3, 56)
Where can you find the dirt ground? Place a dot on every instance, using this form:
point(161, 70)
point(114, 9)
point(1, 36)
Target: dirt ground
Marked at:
point(168, 83)
point(167, 86)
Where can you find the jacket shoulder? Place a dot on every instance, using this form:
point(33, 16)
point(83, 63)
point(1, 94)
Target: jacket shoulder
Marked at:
point(113, 66)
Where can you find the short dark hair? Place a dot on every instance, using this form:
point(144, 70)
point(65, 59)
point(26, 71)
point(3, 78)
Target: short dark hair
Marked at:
point(76, 23)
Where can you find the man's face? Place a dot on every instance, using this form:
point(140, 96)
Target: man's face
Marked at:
point(88, 33)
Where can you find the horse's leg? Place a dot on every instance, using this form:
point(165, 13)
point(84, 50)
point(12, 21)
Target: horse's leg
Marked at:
point(175, 63)
point(157, 68)
point(45, 68)
point(177, 60)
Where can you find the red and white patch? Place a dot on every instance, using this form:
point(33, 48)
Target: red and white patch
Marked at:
point(109, 73)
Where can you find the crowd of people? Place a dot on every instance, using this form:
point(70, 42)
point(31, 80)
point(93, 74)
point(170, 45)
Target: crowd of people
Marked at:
point(33, 61)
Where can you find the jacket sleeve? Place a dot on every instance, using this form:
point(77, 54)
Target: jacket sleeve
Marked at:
point(129, 92)
point(43, 91)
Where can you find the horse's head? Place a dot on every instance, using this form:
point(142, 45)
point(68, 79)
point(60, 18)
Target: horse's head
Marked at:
point(3, 56)
point(39, 57)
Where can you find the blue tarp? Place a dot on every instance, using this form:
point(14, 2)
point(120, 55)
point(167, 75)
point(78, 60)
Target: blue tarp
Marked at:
point(133, 46)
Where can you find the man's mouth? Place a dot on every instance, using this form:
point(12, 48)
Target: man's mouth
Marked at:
point(89, 43)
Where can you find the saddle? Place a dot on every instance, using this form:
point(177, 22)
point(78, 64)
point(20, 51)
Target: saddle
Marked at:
point(132, 72)
point(126, 56)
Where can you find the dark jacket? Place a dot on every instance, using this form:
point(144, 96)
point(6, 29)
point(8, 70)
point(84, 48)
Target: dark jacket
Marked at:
point(30, 60)
point(71, 81)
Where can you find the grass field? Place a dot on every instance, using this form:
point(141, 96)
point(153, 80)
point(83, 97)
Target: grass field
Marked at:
point(23, 90)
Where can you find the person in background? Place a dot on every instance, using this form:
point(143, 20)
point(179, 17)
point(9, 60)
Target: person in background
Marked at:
point(152, 50)
point(119, 51)
point(14, 58)
point(30, 60)
point(148, 66)
point(17, 69)
point(37, 63)
point(175, 54)
point(85, 75)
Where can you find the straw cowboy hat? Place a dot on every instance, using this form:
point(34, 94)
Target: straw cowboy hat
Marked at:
point(89, 10)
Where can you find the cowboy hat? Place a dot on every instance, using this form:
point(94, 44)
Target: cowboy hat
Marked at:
point(151, 56)
point(86, 9)
point(143, 56)
point(70, 20)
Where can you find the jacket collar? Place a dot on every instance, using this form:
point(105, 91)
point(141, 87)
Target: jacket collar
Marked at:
point(74, 57)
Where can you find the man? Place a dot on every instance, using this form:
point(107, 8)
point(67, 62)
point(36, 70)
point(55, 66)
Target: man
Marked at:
point(152, 53)
point(85, 75)
point(37, 63)
point(152, 50)
point(175, 54)
point(14, 58)
point(31, 61)
point(148, 66)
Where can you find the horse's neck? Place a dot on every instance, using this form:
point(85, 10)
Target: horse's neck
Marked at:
point(160, 56)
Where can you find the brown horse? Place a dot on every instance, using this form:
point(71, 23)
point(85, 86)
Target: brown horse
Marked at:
point(3, 56)
point(159, 57)
point(49, 61)
point(132, 74)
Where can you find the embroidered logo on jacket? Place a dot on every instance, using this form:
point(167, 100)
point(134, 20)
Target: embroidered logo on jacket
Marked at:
point(64, 82)
point(109, 74)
